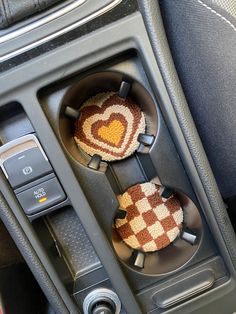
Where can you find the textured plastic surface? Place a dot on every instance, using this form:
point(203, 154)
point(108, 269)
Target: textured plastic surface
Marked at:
point(74, 242)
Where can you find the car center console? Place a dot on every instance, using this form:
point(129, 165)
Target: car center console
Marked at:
point(60, 204)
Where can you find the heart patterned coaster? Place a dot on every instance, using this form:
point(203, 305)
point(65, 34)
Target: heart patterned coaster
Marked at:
point(109, 126)
point(152, 222)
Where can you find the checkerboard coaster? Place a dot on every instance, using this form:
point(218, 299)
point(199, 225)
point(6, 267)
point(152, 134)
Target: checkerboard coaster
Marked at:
point(152, 222)
point(109, 126)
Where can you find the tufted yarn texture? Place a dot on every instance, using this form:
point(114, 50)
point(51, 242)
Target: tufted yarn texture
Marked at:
point(109, 126)
point(152, 222)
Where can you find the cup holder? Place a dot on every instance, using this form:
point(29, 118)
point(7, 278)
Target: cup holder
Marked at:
point(125, 92)
point(172, 255)
point(115, 111)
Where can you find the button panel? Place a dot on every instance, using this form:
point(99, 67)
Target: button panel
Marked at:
point(26, 167)
point(30, 174)
point(41, 196)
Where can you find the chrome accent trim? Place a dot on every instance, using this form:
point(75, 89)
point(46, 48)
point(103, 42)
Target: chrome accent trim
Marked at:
point(44, 20)
point(85, 20)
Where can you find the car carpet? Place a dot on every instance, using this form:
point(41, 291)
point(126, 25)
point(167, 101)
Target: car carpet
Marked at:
point(9, 253)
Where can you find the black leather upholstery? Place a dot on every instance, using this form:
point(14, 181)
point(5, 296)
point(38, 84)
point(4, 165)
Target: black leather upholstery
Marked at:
point(12, 11)
point(202, 38)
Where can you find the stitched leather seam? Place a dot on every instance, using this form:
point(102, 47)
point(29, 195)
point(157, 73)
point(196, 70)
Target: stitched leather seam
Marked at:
point(218, 14)
point(2, 14)
point(9, 17)
point(40, 5)
point(43, 4)
point(35, 5)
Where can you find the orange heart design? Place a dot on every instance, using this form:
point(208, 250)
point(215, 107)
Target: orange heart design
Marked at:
point(109, 126)
point(112, 133)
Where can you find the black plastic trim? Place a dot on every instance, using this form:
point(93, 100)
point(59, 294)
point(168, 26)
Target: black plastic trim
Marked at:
point(50, 283)
point(125, 8)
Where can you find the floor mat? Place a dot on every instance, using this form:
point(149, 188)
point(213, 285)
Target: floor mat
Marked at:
point(9, 254)
point(20, 292)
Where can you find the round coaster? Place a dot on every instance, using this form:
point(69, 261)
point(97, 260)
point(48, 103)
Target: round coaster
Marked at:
point(152, 222)
point(109, 126)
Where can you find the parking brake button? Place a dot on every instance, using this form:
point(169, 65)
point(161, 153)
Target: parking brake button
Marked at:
point(26, 167)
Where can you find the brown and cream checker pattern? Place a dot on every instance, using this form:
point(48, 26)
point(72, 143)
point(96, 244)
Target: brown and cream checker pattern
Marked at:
point(152, 222)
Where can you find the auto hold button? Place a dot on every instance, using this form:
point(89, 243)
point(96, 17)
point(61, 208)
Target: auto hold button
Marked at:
point(41, 196)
